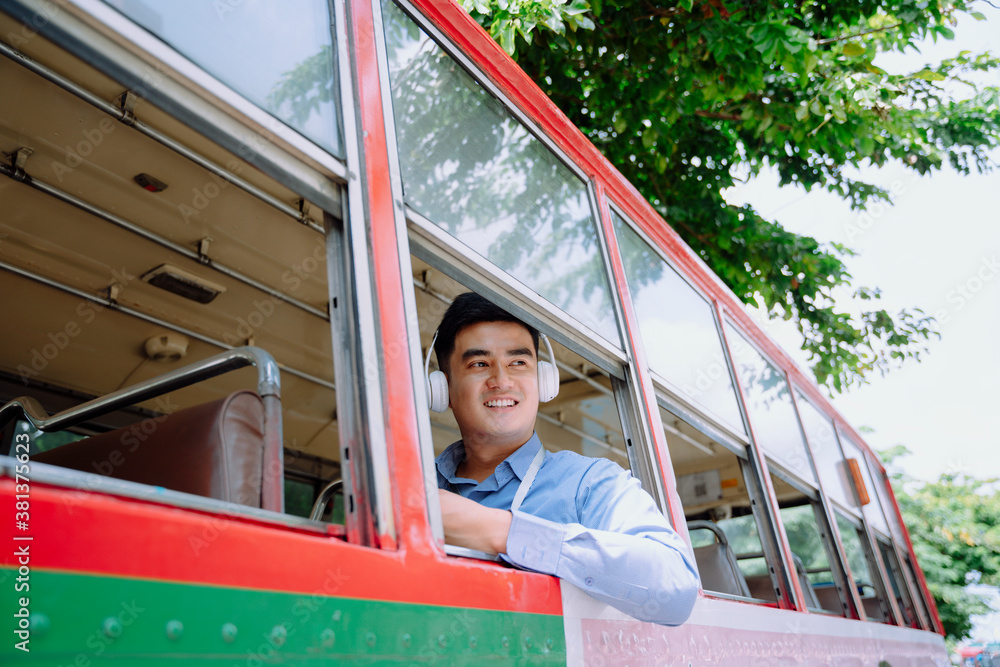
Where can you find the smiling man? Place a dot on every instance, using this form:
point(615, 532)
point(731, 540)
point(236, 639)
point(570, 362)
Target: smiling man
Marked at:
point(582, 519)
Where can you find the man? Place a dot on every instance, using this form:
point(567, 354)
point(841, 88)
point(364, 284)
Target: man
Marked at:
point(584, 520)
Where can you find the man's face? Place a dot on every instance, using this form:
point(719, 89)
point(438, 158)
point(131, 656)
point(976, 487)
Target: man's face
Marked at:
point(493, 384)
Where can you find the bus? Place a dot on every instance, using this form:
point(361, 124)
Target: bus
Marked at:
point(228, 232)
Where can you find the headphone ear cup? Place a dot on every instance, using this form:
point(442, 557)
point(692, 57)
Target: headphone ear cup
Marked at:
point(548, 381)
point(437, 391)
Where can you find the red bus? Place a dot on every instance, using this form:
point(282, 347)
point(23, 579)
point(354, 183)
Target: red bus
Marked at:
point(228, 233)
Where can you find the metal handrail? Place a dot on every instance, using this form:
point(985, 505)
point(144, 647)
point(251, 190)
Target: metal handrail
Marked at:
point(268, 384)
point(268, 387)
point(319, 507)
point(710, 526)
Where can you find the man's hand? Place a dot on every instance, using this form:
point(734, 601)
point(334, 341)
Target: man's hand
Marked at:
point(473, 526)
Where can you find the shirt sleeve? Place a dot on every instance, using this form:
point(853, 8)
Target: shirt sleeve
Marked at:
point(622, 552)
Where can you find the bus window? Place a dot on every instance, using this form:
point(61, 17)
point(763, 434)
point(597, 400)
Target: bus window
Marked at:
point(584, 416)
point(897, 583)
point(673, 316)
point(769, 407)
point(814, 556)
point(826, 452)
point(872, 510)
point(130, 252)
point(280, 57)
point(472, 169)
point(715, 482)
point(918, 598)
point(883, 493)
point(861, 561)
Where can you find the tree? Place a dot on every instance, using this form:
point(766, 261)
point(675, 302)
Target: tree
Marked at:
point(680, 96)
point(954, 525)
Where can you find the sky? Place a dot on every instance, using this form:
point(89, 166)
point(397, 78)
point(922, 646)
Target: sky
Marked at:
point(938, 249)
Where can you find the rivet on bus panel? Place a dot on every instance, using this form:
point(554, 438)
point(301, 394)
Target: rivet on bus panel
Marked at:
point(278, 636)
point(407, 640)
point(175, 629)
point(229, 633)
point(370, 639)
point(112, 627)
point(39, 624)
point(328, 638)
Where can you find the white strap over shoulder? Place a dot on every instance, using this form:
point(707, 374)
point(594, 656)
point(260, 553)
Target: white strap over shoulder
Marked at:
point(529, 477)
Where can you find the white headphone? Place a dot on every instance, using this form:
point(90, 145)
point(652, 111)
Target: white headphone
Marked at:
point(437, 382)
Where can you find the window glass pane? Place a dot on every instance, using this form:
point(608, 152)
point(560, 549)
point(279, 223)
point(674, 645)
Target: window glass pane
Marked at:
point(859, 561)
point(826, 453)
point(873, 510)
point(472, 169)
point(678, 328)
point(915, 586)
point(770, 408)
point(897, 584)
point(278, 55)
point(888, 507)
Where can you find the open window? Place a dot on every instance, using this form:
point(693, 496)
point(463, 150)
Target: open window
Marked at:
point(131, 251)
point(717, 487)
point(705, 433)
point(864, 569)
point(813, 554)
point(584, 418)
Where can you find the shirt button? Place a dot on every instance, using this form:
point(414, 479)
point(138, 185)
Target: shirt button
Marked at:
point(589, 581)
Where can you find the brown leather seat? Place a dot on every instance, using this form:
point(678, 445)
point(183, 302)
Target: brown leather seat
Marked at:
point(829, 598)
point(213, 450)
point(761, 586)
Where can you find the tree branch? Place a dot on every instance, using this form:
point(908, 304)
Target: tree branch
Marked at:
point(715, 115)
point(820, 42)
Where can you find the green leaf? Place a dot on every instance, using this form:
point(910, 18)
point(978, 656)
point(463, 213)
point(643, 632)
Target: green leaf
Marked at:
point(928, 75)
point(852, 49)
point(875, 70)
point(506, 38)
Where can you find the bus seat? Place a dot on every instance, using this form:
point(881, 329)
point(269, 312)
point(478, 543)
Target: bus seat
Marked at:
point(761, 586)
point(828, 598)
point(717, 564)
point(873, 610)
point(213, 450)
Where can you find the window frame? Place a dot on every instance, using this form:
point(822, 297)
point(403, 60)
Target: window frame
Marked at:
point(120, 49)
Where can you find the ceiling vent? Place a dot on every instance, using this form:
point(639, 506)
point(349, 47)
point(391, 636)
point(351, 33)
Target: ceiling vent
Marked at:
point(183, 284)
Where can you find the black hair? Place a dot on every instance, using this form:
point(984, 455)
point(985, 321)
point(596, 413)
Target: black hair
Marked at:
point(466, 310)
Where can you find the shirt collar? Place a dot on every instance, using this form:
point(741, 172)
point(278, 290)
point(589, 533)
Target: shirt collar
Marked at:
point(520, 460)
point(518, 463)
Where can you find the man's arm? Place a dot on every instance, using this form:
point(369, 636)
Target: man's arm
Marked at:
point(623, 552)
point(473, 526)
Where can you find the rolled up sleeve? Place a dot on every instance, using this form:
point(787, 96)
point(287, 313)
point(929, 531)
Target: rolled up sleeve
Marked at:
point(622, 552)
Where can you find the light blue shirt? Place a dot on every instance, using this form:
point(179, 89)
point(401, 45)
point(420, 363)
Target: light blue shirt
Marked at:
point(587, 521)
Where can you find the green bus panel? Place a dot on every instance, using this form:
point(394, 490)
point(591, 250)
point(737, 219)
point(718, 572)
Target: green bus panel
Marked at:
point(81, 620)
